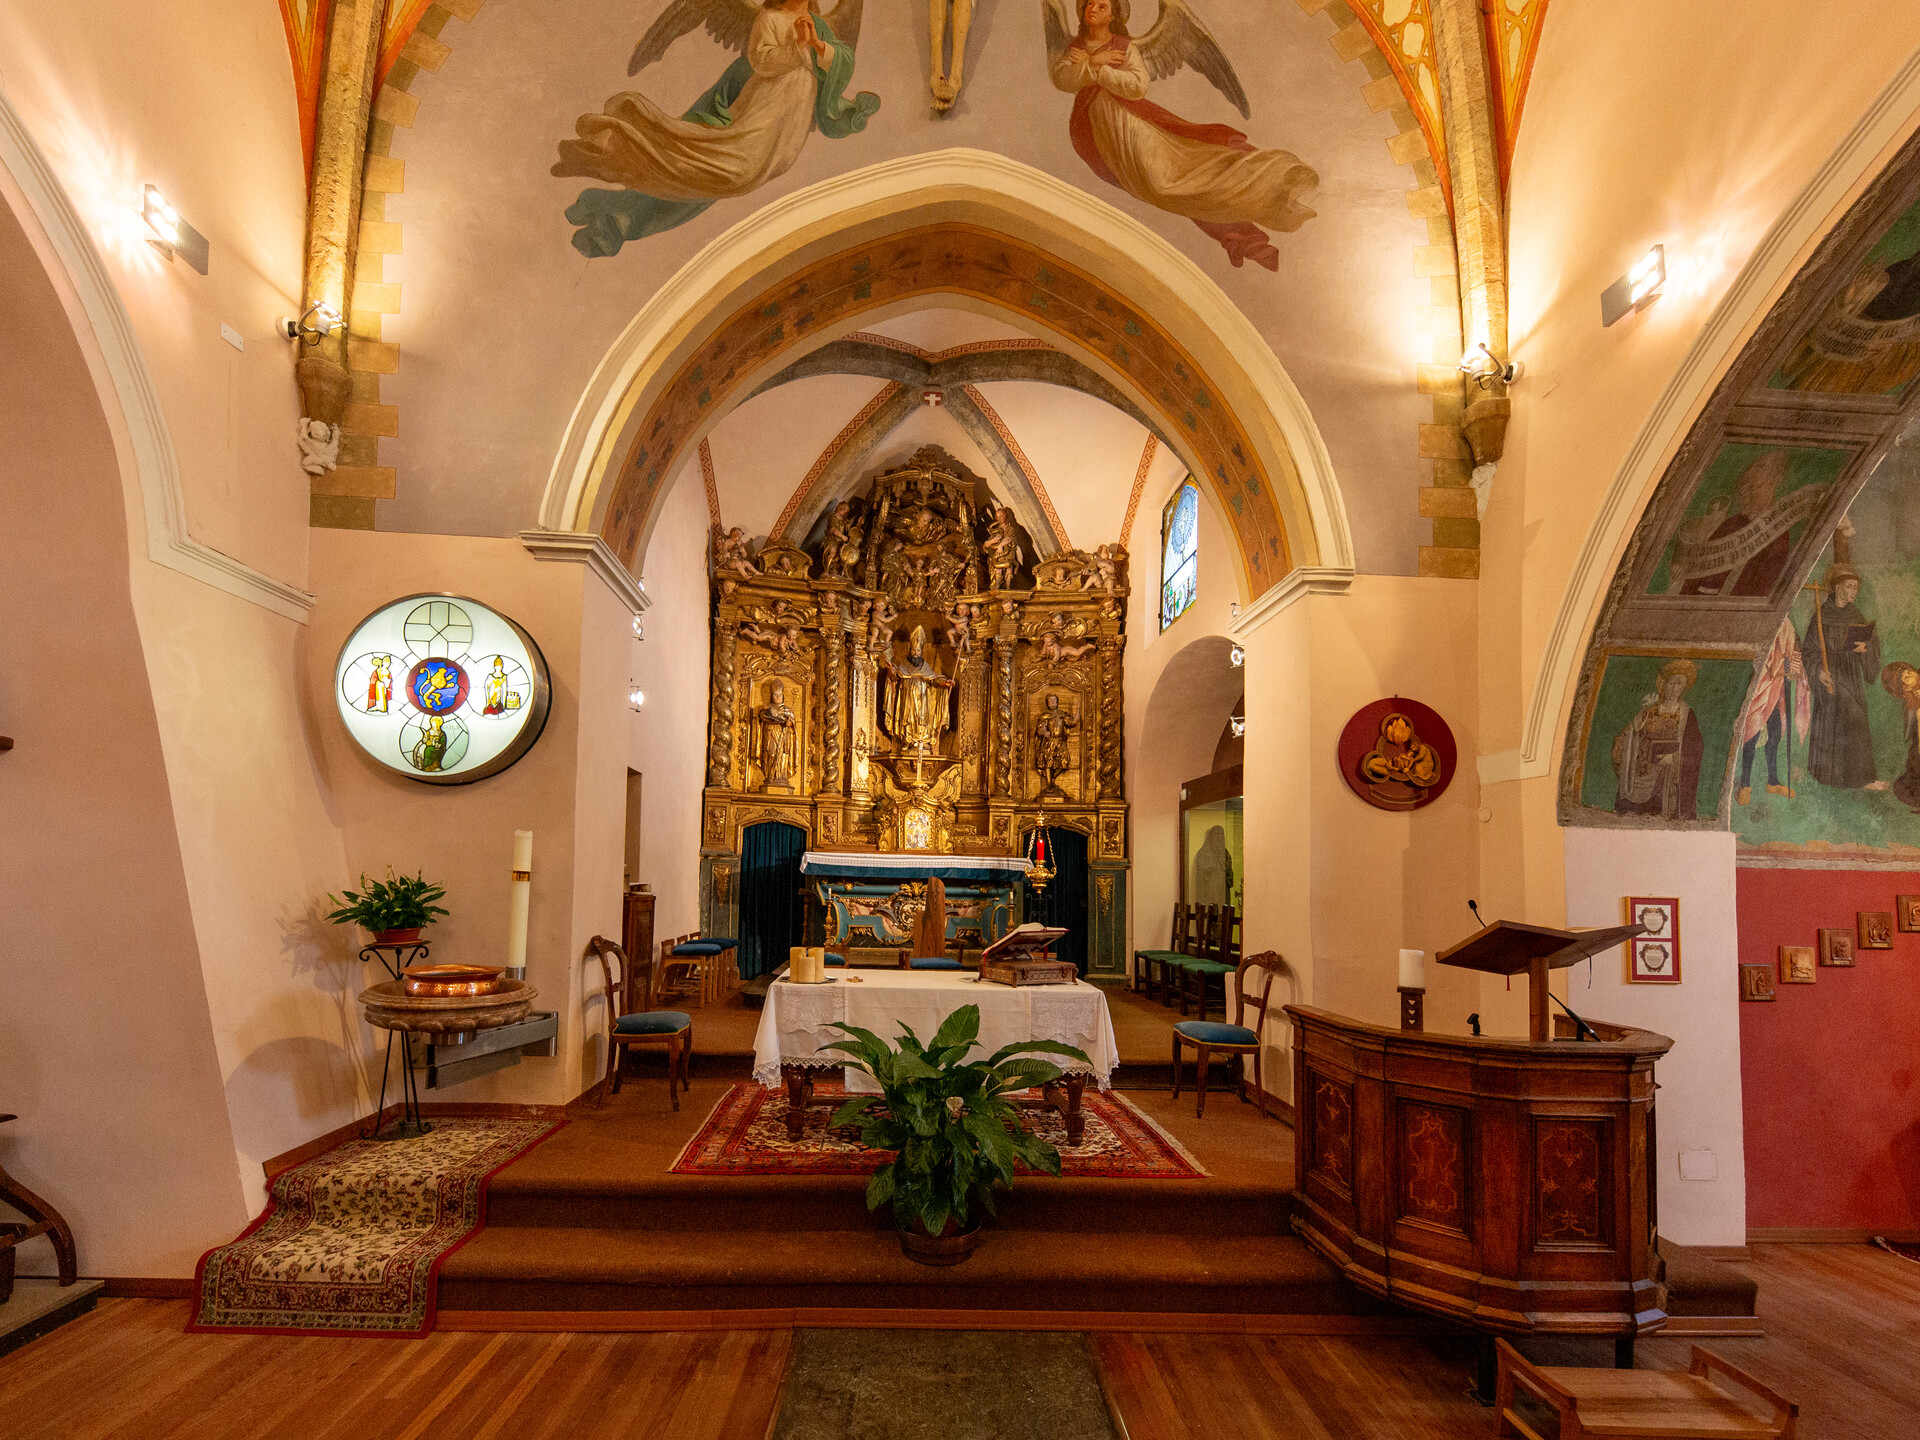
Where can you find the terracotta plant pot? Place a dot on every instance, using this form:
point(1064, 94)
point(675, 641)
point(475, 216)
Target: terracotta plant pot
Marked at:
point(406, 936)
point(949, 1247)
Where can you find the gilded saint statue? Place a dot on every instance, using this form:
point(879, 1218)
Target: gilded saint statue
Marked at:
point(1052, 728)
point(917, 699)
point(779, 736)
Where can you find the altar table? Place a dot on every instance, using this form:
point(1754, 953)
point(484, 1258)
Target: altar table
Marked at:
point(794, 1032)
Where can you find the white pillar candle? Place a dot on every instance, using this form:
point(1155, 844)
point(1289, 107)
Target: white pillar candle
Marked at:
point(520, 895)
point(797, 964)
point(1413, 969)
point(817, 964)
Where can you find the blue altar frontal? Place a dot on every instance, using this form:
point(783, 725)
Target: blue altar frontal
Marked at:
point(871, 900)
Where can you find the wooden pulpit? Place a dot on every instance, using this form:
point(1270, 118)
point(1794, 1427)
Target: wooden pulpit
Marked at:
point(1507, 947)
point(1502, 1183)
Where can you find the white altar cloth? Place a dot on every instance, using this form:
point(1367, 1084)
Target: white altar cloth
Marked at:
point(794, 1022)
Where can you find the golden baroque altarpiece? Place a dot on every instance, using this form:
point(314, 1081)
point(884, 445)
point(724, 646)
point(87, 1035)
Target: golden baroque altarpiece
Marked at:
point(919, 684)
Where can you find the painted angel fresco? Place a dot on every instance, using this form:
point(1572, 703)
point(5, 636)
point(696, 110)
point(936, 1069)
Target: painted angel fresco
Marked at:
point(791, 77)
point(1208, 173)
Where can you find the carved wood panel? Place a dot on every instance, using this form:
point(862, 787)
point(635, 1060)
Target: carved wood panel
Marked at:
point(1570, 1161)
point(1433, 1165)
point(1333, 1130)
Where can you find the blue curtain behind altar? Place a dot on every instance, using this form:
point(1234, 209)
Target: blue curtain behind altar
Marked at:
point(771, 911)
point(1064, 902)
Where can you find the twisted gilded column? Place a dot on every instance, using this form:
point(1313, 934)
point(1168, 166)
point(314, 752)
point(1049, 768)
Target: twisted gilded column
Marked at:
point(831, 730)
point(720, 716)
point(1112, 719)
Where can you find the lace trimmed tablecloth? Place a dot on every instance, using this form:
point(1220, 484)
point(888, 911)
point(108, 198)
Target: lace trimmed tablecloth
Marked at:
point(794, 1022)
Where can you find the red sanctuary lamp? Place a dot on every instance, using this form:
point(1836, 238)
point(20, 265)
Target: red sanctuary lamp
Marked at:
point(1041, 872)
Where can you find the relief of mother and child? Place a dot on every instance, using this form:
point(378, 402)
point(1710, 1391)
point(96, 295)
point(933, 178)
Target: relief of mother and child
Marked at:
point(793, 75)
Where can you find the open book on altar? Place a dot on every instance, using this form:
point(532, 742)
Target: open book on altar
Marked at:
point(1024, 956)
point(1032, 941)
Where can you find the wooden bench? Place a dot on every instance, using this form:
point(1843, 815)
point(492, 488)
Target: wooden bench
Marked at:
point(1664, 1403)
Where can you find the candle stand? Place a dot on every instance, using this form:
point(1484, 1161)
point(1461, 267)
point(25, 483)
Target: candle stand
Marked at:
point(397, 958)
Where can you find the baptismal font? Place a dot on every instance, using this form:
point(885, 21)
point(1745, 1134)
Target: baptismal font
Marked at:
point(916, 679)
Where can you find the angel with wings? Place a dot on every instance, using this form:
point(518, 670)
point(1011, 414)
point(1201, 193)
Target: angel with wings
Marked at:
point(1209, 173)
point(791, 77)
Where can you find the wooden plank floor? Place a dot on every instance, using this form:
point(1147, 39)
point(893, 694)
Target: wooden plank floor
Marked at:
point(1843, 1327)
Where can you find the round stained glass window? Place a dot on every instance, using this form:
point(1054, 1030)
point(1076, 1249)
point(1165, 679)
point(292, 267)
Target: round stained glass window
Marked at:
point(442, 689)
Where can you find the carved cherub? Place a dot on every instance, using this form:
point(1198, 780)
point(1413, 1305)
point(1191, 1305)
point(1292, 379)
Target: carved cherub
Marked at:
point(1059, 629)
point(778, 630)
point(961, 635)
point(730, 556)
point(1103, 569)
point(319, 445)
point(1003, 549)
point(880, 626)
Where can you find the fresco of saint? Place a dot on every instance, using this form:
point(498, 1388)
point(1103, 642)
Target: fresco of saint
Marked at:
point(1208, 173)
point(1902, 681)
point(1840, 652)
point(1656, 758)
point(791, 77)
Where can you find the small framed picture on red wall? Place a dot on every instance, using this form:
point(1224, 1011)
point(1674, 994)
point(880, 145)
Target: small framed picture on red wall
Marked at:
point(1654, 958)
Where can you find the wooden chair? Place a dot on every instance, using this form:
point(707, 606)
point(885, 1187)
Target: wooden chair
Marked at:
point(680, 977)
point(929, 948)
point(1204, 975)
point(1235, 1040)
point(644, 1026)
point(1639, 1402)
point(1156, 966)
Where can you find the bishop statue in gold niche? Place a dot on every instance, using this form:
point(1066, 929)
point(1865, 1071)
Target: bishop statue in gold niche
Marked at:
point(917, 666)
point(917, 699)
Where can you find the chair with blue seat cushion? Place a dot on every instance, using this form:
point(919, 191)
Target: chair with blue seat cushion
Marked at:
point(930, 962)
point(1234, 1040)
point(627, 983)
point(833, 959)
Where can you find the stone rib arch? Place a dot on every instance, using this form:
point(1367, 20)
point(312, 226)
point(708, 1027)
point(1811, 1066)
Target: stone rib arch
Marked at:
point(815, 265)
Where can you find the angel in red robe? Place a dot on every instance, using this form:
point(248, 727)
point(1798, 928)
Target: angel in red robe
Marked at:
point(1209, 173)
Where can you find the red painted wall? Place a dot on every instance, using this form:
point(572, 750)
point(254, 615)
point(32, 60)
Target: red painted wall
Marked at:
point(1827, 1070)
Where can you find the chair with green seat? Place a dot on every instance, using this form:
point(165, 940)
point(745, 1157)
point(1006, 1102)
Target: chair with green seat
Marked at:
point(624, 982)
point(1196, 950)
point(1156, 965)
point(1235, 1040)
point(1204, 976)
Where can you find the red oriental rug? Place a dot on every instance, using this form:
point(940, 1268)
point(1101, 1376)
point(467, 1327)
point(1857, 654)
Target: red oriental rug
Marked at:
point(351, 1242)
point(746, 1134)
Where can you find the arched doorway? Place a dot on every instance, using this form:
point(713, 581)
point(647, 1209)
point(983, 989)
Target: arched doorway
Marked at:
point(772, 910)
point(1064, 903)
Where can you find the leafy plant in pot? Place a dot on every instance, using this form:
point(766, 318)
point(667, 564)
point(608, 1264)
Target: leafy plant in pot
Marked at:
point(396, 909)
point(954, 1135)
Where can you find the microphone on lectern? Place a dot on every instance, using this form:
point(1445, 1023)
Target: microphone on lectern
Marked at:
point(1471, 905)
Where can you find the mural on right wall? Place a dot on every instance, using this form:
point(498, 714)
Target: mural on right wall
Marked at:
point(1826, 760)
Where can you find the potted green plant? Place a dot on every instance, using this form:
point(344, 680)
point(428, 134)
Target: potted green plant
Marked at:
point(953, 1134)
point(396, 909)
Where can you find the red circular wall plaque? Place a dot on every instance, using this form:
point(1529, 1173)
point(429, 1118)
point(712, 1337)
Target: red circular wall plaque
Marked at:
point(1397, 764)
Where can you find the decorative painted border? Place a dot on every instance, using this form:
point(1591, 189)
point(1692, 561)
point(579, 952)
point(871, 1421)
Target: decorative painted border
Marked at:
point(711, 484)
point(1147, 453)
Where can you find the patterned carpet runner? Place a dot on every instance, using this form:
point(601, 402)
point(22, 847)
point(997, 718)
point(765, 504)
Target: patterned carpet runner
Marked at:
point(351, 1242)
point(746, 1134)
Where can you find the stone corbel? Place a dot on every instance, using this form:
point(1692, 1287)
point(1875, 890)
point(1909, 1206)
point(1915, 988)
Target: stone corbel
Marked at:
point(1484, 423)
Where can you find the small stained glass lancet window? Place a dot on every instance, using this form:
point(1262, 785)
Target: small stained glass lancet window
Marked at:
point(1179, 552)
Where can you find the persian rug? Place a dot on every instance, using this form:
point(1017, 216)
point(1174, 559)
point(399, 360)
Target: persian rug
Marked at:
point(1905, 1249)
point(352, 1241)
point(746, 1134)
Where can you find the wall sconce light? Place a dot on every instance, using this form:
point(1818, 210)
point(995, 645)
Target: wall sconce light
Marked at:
point(639, 628)
point(1236, 657)
point(1239, 724)
point(636, 697)
point(1483, 368)
point(169, 234)
point(325, 320)
point(1235, 608)
point(1636, 289)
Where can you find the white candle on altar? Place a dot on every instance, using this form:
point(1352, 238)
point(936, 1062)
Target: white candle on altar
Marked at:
point(519, 896)
point(1413, 969)
point(797, 964)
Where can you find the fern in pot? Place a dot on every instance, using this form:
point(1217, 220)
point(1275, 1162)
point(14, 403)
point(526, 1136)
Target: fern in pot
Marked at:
point(954, 1135)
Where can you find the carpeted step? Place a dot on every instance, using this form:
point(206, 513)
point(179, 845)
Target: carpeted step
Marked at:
point(523, 1196)
point(505, 1268)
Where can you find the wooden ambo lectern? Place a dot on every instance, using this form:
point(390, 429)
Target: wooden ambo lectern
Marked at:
point(1502, 1183)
